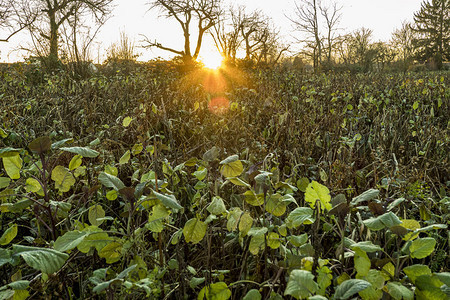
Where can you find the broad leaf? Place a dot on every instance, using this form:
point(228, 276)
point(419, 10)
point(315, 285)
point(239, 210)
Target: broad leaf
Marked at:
point(366, 246)
point(41, 144)
point(415, 271)
point(8, 235)
point(96, 212)
point(125, 157)
point(4, 182)
point(83, 151)
point(366, 196)
point(215, 291)
point(386, 220)
point(245, 223)
point(63, 179)
point(397, 291)
point(112, 252)
point(70, 240)
point(299, 216)
point(168, 200)
point(423, 247)
point(194, 230)
point(110, 181)
point(253, 199)
point(217, 206)
point(350, 287)
point(362, 262)
point(231, 166)
point(318, 192)
point(43, 259)
point(75, 162)
point(253, 294)
point(301, 284)
point(12, 165)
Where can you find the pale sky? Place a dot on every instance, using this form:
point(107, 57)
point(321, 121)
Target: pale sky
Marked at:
point(133, 17)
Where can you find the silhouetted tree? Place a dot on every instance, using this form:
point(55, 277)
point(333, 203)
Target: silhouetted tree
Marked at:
point(432, 24)
point(205, 12)
point(52, 14)
point(11, 21)
point(332, 17)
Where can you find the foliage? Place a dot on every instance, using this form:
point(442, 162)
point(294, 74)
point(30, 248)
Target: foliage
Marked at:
point(133, 185)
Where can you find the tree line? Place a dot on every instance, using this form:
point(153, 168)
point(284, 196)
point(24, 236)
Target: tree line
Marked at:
point(65, 26)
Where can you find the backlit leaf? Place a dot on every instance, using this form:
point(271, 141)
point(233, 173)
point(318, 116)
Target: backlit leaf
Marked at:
point(362, 262)
point(273, 240)
point(137, 148)
point(299, 216)
point(111, 252)
point(231, 166)
point(316, 191)
point(126, 121)
point(194, 230)
point(253, 199)
point(63, 179)
point(421, 248)
point(256, 244)
point(12, 165)
point(415, 271)
point(75, 162)
point(125, 157)
point(245, 223)
point(215, 291)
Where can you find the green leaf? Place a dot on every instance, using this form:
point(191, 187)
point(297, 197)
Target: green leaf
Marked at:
point(302, 184)
point(245, 223)
point(200, 174)
point(83, 151)
point(316, 191)
point(211, 154)
point(8, 151)
point(423, 247)
point(70, 240)
point(253, 294)
point(8, 235)
point(194, 230)
point(5, 256)
point(111, 195)
point(233, 218)
point(275, 205)
point(75, 162)
point(110, 181)
point(13, 165)
point(415, 105)
point(350, 287)
point(111, 170)
point(32, 185)
point(126, 121)
point(299, 216)
point(136, 149)
point(298, 240)
point(96, 239)
point(96, 212)
point(40, 145)
point(415, 271)
point(273, 240)
point(4, 182)
point(253, 199)
point(444, 277)
point(125, 157)
point(386, 220)
point(168, 200)
point(112, 252)
point(301, 284)
point(399, 292)
point(366, 196)
point(256, 244)
point(362, 262)
point(63, 179)
point(217, 206)
point(239, 182)
point(43, 259)
point(215, 291)
point(155, 219)
point(366, 246)
point(231, 166)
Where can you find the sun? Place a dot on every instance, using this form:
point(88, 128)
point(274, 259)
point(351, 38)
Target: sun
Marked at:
point(212, 60)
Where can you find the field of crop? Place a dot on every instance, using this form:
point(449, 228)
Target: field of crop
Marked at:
point(153, 181)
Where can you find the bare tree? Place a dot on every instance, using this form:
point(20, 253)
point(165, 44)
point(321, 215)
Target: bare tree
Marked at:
point(402, 41)
point(332, 17)
point(305, 20)
point(11, 21)
point(205, 12)
point(53, 14)
point(226, 32)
